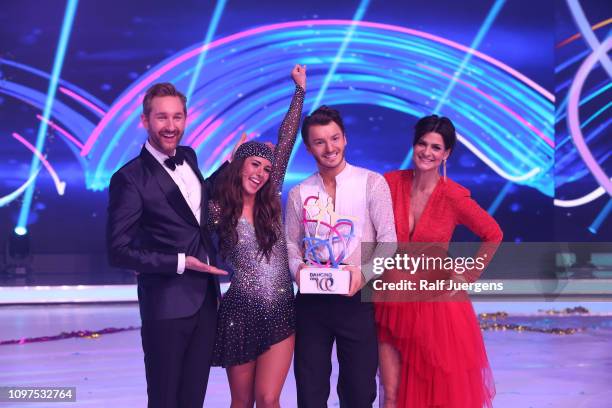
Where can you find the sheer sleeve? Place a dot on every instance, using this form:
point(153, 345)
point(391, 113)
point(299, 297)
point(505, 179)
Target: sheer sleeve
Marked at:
point(286, 138)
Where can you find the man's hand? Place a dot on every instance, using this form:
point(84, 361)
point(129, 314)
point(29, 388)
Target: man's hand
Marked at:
point(298, 74)
point(357, 279)
point(297, 274)
point(195, 264)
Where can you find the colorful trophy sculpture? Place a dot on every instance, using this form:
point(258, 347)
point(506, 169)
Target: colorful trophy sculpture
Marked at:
point(325, 246)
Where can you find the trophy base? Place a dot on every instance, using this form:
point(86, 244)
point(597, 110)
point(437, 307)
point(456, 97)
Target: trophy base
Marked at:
point(324, 281)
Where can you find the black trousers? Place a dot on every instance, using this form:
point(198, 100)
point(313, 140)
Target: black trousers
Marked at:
point(321, 320)
point(178, 354)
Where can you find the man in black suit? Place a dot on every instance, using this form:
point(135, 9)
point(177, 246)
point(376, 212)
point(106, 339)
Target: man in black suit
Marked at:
point(157, 227)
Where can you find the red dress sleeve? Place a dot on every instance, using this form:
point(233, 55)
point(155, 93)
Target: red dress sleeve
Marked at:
point(476, 219)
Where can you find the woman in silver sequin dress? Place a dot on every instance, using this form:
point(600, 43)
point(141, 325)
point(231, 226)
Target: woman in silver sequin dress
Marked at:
point(256, 319)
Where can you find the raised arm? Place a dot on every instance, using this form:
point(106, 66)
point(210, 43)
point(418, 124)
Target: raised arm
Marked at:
point(289, 128)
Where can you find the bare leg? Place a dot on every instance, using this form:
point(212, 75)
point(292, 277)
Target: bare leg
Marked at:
point(271, 372)
point(242, 384)
point(389, 360)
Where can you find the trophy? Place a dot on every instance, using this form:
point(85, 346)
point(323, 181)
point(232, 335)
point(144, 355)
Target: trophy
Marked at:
point(325, 246)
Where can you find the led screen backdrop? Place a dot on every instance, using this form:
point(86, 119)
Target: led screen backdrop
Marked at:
point(527, 84)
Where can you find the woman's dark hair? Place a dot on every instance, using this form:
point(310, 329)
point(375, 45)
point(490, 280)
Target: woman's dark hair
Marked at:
point(438, 124)
point(322, 116)
point(266, 213)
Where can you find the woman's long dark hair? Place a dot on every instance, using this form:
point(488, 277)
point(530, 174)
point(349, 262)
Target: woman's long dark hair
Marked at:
point(266, 213)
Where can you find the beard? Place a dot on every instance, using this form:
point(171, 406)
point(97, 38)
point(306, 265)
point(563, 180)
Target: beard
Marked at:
point(164, 132)
point(160, 141)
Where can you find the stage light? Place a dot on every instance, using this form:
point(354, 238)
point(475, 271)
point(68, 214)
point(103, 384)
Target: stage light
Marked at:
point(19, 245)
point(21, 231)
point(18, 259)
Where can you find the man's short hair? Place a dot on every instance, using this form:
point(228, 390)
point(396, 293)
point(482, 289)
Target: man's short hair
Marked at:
point(158, 90)
point(322, 116)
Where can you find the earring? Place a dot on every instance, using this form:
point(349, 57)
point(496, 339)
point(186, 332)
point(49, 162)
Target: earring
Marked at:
point(444, 169)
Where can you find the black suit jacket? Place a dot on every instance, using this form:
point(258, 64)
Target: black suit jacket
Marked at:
point(149, 223)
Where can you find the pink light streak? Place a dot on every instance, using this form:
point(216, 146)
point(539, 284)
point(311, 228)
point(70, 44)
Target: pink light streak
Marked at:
point(573, 112)
point(135, 105)
point(192, 136)
point(197, 104)
point(192, 115)
point(206, 132)
point(221, 146)
point(59, 185)
point(140, 87)
point(82, 100)
point(193, 106)
point(496, 102)
point(62, 132)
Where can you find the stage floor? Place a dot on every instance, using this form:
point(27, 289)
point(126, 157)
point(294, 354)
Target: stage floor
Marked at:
point(530, 369)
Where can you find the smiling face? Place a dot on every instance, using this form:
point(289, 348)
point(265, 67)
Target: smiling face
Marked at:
point(327, 144)
point(254, 174)
point(165, 123)
point(429, 152)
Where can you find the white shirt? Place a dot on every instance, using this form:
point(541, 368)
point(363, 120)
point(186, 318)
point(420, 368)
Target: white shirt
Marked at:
point(361, 195)
point(351, 203)
point(189, 185)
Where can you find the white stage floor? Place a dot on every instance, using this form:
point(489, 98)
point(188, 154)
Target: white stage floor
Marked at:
point(531, 369)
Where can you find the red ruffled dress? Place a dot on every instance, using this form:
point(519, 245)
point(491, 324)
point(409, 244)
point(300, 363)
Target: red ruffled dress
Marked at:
point(443, 358)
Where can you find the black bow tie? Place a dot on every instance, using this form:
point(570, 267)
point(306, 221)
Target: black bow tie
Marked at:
point(173, 161)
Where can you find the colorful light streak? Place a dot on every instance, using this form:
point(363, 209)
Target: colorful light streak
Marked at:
point(4, 200)
point(253, 96)
point(573, 119)
point(603, 214)
point(62, 132)
point(212, 27)
point(82, 100)
point(482, 31)
point(588, 35)
point(60, 186)
point(42, 129)
point(359, 13)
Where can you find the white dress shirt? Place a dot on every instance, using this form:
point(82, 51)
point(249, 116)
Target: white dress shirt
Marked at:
point(362, 196)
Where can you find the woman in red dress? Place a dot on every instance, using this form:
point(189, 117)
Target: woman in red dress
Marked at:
point(431, 352)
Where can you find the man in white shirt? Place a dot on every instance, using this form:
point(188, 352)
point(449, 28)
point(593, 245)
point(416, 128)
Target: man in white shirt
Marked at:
point(156, 226)
point(362, 196)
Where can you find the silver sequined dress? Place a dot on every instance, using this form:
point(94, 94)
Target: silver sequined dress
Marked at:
point(258, 310)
